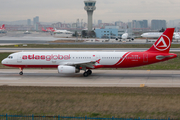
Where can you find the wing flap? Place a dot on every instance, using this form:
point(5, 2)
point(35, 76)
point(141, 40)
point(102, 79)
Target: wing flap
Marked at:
point(83, 63)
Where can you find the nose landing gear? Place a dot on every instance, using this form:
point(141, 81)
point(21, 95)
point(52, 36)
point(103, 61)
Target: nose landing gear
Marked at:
point(21, 71)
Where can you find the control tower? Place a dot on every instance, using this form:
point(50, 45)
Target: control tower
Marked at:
point(90, 7)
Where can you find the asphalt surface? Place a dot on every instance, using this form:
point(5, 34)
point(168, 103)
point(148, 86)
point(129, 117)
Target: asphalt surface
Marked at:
point(99, 78)
point(79, 49)
point(18, 37)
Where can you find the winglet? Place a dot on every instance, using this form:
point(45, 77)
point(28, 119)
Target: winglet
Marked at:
point(163, 44)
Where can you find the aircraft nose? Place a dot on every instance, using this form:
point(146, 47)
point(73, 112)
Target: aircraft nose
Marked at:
point(3, 61)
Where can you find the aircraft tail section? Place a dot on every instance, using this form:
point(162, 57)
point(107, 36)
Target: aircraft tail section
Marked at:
point(43, 29)
point(163, 44)
point(2, 27)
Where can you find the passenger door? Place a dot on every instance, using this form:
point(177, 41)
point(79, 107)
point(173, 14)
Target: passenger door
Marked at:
point(19, 58)
point(145, 58)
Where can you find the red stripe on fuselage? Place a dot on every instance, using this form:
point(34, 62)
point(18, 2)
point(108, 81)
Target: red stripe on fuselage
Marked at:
point(32, 66)
point(121, 58)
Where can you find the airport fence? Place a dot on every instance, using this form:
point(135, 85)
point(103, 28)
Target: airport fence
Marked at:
point(34, 117)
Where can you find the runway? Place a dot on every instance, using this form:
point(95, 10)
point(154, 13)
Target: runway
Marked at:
point(18, 37)
point(79, 49)
point(99, 78)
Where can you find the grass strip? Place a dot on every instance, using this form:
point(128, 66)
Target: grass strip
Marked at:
point(91, 101)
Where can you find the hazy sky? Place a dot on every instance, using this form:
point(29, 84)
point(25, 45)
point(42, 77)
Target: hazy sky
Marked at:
point(106, 10)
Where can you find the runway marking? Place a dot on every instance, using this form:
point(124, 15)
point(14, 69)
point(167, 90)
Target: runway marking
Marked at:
point(9, 78)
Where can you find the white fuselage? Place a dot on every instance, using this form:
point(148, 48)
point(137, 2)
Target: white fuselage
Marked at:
point(152, 35)
point(125, 36)
point(62, 58)
point(176, 35)
point(62, 33)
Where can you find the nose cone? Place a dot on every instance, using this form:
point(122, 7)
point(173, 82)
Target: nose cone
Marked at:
point(3, 62)
point(143, 35)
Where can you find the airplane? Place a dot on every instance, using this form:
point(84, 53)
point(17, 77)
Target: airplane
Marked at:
point(63, 33)
point(125, 36)
point(2, 29)
point(49, 29)
point(27, 32)
point(176, 35)
point(44, 30)
point(74, 62)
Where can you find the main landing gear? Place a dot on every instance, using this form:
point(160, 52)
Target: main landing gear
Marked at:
point(87, 73)
point(21, 71)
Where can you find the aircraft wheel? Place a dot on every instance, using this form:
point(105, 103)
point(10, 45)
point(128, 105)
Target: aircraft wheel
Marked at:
point(89, 72)
point(21, 73)
point(85, 74)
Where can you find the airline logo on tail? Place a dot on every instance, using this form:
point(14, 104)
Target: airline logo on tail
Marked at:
point(163, 43)
point(2, 27)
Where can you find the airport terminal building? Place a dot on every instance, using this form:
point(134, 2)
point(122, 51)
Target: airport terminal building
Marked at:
point(109, 32)
point(106, 33)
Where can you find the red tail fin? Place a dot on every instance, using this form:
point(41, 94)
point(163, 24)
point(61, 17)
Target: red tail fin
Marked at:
point(43, 29)
point(163, 44)
point(3, 25)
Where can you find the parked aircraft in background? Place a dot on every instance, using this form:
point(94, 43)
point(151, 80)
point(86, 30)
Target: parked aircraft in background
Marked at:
point(63, 33)
point(73, 62)
point(58, 33)
point(176, 35)
point(44, 30)
point(125, 36)
point(49, 29)
point(2, 29)
point(27, 32)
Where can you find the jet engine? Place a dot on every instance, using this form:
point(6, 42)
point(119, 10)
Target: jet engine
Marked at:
point(67, 69)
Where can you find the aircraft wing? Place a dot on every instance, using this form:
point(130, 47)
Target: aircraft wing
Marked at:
point(89, 64)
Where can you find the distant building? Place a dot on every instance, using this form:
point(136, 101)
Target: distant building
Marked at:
point(35, 20)
point(140, 24)
point(106, 33)
point(103, 25)
point(99, 22)
point(129, 25)
point(158, 24)
point(28, 22)
point(111, 27)
point(36, 23)
point(145, 23)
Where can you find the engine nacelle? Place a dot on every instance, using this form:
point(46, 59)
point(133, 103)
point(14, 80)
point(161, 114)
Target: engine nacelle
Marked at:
point(67, 69)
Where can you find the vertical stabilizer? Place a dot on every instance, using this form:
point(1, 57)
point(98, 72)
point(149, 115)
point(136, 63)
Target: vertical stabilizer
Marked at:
point(163, 44)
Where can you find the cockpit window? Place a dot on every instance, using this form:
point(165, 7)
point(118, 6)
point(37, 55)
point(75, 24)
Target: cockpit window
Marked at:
point(10, 57)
